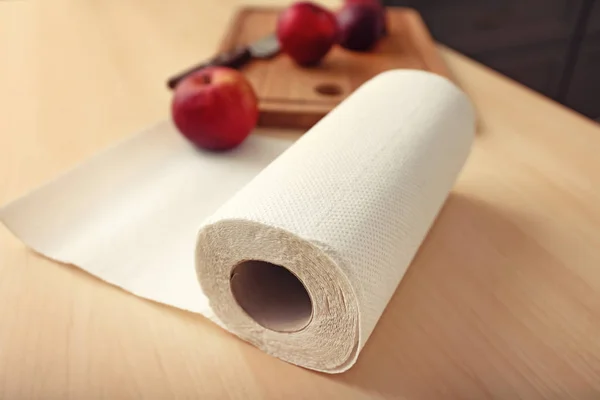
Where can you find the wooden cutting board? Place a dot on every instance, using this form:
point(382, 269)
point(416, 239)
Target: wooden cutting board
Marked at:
point(295, 97)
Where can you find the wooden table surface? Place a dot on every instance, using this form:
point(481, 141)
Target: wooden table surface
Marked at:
point(503, 300)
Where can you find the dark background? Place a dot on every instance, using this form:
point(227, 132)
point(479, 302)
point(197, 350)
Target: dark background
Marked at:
point(551, 46)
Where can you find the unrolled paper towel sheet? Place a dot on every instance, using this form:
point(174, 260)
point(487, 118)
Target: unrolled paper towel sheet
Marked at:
point(294, 247)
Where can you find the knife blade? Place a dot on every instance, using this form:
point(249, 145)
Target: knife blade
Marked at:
point(263, 48)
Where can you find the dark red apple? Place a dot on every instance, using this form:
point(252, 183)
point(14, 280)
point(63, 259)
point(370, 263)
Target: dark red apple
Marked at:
point(359, 26)
point(380, 7)
point(306, 32)
point(215, 108)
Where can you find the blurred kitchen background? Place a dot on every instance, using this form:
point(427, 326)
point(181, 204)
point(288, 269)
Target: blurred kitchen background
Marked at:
point(551, 46)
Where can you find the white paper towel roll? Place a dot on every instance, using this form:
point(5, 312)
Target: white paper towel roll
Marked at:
point(302, 260)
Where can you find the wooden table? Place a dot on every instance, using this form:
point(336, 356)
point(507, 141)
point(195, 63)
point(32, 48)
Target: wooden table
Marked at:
point(503, 300)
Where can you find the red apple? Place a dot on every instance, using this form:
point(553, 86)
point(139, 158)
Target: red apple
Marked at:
point(359, 25)
point(215, 108)
point(306, 32)
point(379, 7)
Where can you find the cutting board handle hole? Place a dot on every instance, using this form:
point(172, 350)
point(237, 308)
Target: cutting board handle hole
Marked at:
point(328, 89)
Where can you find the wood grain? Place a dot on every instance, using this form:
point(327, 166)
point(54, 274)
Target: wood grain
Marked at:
point(292, 97)
point(500, 303)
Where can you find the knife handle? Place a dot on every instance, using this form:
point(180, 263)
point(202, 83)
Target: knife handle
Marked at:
point(232, 59)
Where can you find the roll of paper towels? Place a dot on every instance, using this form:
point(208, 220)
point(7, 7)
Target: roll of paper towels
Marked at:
point(298, 256)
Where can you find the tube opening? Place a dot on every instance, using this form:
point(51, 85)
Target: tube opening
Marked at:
point(271, 295)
